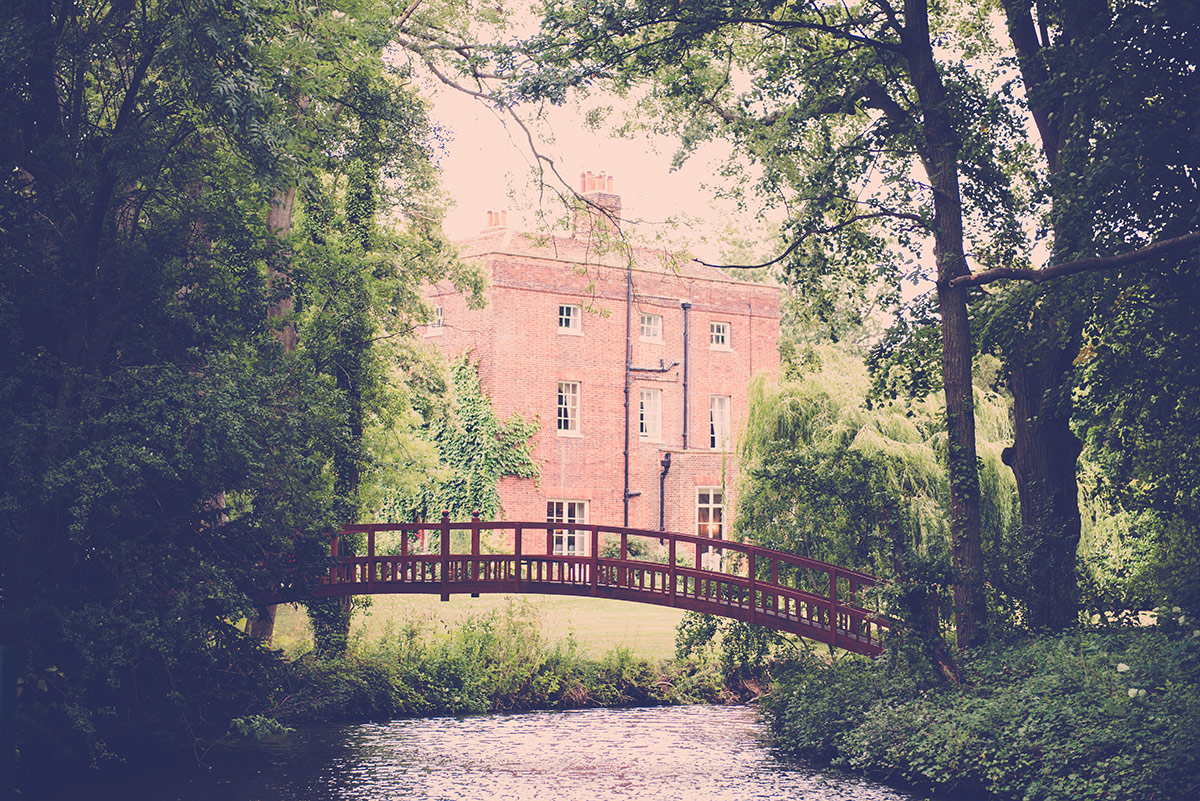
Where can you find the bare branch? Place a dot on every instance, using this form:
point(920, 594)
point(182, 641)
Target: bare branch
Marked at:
point(408, 12)
point(1151, 251)
point(898, 215)
point(831, 30)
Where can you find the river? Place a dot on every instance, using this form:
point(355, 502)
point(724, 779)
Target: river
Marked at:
point(697, 753)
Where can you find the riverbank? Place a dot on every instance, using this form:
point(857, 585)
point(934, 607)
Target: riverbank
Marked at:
point(1089, 715)
point(596, 625)
point(495, 661)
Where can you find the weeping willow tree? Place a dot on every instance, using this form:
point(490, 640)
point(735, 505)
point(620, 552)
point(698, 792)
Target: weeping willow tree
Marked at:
point(833, 476)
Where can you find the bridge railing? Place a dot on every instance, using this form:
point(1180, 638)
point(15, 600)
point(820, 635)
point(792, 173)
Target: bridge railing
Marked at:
point(748, 582)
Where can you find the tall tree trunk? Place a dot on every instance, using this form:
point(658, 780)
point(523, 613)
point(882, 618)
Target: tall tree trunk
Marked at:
point(938, 149)
point(1043, 458)
point(331, 617)
point(261, 626)
point(1045, 451)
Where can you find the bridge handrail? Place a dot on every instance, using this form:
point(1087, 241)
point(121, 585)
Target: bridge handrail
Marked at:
point(762, 585)
point(691, 539)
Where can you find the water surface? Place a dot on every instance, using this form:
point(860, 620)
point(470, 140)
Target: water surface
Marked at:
point(698, 753)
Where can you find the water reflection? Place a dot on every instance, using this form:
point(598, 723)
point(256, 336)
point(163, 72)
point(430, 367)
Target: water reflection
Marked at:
point(692, 753)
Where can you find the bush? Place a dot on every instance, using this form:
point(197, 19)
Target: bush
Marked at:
point(497, 662)
point(1082, 716)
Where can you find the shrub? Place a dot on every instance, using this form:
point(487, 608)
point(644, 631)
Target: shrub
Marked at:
point(1082, 716)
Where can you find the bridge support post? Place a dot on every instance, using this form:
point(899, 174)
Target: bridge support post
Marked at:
point(833, 601)
point(624, 555)
point(517, 554)
point(753, 589)
point(370, 561)
point(595, 558)
point(335, 571)
point(671, 565)
point(475, 546)
point(445, 548)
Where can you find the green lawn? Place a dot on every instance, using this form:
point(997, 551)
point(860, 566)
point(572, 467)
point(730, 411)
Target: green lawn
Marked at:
point(596, 624)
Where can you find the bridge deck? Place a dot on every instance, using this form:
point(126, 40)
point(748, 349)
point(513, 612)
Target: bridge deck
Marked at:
point(759, 585)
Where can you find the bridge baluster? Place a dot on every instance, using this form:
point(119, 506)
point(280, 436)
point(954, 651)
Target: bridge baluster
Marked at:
point(475, 545)
point(673, 566)
point(517, 553)
point(370, 558)
point(445, 555)
point(753, 577)
point(596, 557)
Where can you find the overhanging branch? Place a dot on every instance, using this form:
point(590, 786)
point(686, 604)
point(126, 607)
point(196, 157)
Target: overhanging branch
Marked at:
point(1152, 251)
point(827, 230)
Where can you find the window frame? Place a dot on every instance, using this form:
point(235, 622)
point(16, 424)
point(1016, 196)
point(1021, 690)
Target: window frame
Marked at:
point(719, 439)
point(709, 507)
point(574, 318)
point(722, 329)
point(648, 432)
point(658, 326)
point(563, 542)
point(567, 411)
point(437, 323)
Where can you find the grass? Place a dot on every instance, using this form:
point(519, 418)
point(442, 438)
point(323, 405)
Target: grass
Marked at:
point(597, 624)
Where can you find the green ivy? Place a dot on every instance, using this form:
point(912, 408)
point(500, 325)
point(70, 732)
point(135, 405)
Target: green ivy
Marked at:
point(475, 450)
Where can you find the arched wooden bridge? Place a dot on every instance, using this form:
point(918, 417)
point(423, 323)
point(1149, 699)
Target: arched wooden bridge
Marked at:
point(759, 585)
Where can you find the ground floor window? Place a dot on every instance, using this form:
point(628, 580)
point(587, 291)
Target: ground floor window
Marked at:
point(566, 542)
point(710, 512)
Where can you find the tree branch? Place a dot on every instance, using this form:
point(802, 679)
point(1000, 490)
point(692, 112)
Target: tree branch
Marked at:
point(827, 230)
point(1093, 263)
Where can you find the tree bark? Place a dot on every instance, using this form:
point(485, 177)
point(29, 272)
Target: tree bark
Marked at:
point(1045, 450)
point(938, 148)
point(1043, 458)
point(261, 626)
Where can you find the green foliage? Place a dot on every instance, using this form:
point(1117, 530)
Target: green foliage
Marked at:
point(493, 663)
point(475, 450)
point(256, 727)
point(166, 463)
point(1088, 715)
point(1139, 376)
point(831, 477)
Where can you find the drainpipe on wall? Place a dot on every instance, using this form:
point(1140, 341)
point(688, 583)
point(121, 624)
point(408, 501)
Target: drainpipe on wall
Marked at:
point(686, 308)
point(628, 364)
point(662, 490)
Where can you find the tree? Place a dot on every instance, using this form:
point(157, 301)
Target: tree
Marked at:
point(829, 477)
point(1102, 82)
point(819, 95)
point(166, 462)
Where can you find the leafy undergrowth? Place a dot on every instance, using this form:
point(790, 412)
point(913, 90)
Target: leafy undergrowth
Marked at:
point(496, 662)
point(1091, 715)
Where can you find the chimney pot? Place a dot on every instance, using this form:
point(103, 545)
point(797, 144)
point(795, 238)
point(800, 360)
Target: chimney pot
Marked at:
point(504, 219)
point(610, 185)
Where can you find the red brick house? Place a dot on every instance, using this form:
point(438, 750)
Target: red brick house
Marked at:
point(635, 361)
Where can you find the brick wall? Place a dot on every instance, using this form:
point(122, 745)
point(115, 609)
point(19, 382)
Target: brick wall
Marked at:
point(523, 356)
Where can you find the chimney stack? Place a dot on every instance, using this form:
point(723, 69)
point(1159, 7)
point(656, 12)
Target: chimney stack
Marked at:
point(496, 219)
point(601, 209)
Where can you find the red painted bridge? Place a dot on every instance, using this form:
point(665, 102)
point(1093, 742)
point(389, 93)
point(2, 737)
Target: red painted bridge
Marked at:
point(759, 585)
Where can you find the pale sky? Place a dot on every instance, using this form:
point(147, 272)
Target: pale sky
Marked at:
point(487, 166)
